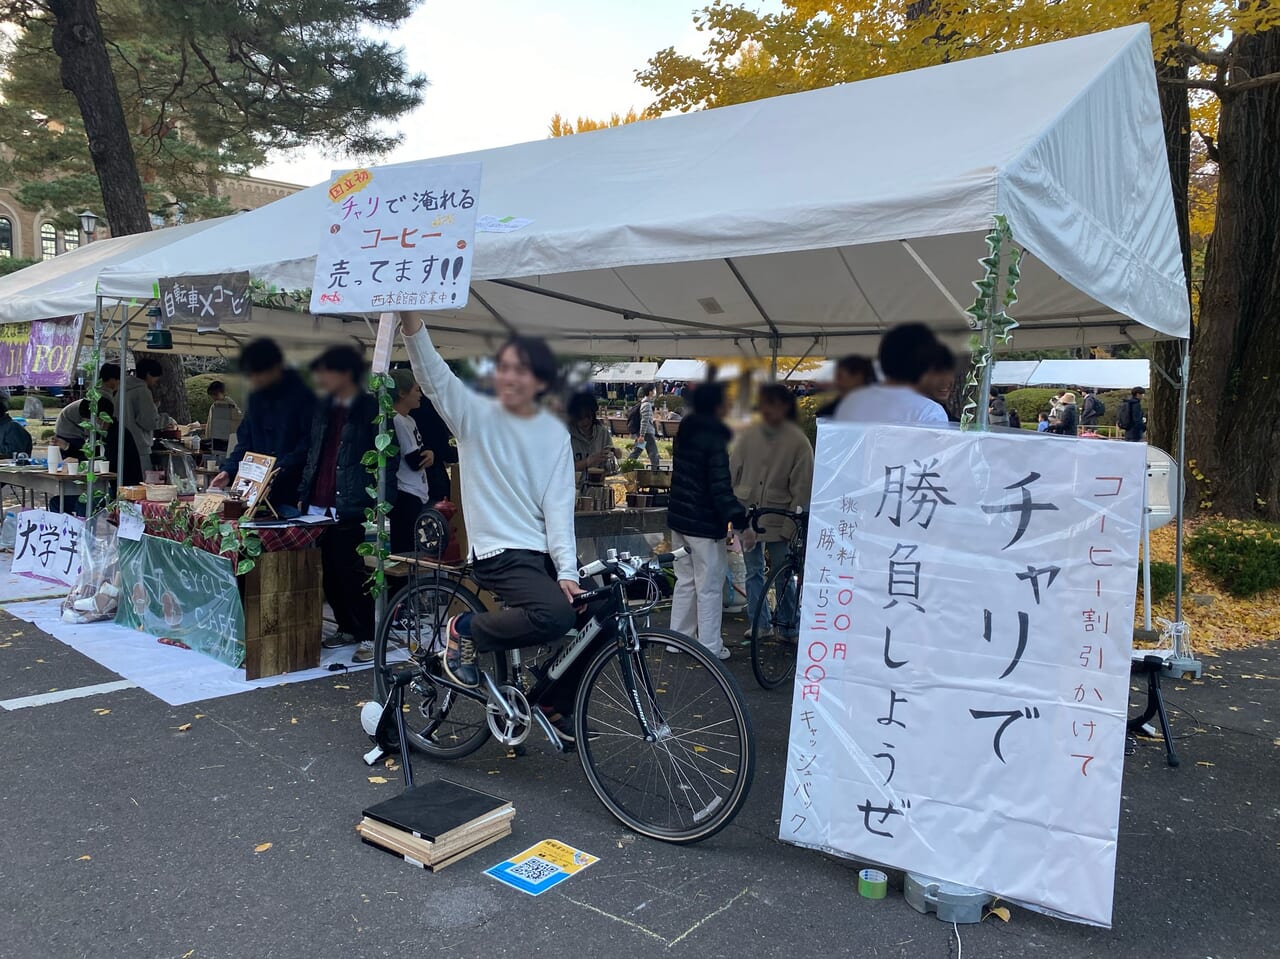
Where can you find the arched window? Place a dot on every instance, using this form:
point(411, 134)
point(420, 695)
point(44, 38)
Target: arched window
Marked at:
point(70, 240)
point(48, 241)
point(6, 236)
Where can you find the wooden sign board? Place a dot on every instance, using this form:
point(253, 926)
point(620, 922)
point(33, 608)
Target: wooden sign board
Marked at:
point(253, 479)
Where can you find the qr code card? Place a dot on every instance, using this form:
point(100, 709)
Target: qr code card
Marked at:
point(540, 867)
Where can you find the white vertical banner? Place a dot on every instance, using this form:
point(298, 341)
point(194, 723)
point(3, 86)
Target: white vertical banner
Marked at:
point(48, 545)
point(963, 668)
point(397, 238)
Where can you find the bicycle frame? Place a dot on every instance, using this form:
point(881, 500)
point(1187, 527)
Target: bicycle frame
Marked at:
point(628, 641)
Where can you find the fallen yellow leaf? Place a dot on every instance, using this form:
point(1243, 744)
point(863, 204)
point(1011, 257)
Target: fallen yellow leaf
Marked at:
point(1203, 763)
point(188, 954)
point(1000, 912)
point(199, 716)
point(262, 847)
point(341, 687)
point(293, 721)
point(377, 779)
point(102, 712)
point(84, 859)
point(184, 727)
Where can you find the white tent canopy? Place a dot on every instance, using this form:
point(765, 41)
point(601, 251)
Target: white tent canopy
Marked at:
point(1099, 374)
point(1013, 372)
point(626, 373)
point(806, 223)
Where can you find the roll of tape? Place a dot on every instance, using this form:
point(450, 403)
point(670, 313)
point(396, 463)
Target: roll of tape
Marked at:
point(872, 884)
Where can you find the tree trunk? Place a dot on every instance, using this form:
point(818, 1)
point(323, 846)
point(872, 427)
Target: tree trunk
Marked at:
point(85, 68)
point(171, 391)
point(1162, 405)
point(1233, 443)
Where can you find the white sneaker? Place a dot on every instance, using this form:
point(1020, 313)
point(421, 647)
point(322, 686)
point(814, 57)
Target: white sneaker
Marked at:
point(363, 653)
point(723, 654)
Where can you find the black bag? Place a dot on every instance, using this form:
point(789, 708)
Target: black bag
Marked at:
point(1099, 407)
point(633, 420)
point(1124, 419)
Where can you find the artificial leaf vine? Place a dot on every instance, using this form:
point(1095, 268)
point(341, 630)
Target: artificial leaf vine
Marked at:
point(987, 317)
point(377, 461)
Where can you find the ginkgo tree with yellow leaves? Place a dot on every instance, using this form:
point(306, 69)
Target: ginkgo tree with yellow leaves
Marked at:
point(1218, 65)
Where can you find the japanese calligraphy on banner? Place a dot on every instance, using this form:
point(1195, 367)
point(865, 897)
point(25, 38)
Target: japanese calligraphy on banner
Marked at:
point(208, 300)
point(42, 353)
point(398, 238)
point(48, 545)
point(963, 667)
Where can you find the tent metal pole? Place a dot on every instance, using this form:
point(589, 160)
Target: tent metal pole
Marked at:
point(1179, 507)
point(121, 424)
point(97, 363)
point(1146, 568)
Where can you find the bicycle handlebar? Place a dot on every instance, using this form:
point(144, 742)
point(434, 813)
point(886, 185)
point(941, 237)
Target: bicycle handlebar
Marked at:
point(754, 514)
point(610, 563)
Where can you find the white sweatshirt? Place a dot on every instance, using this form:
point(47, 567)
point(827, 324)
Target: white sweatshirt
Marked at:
point(517, 471)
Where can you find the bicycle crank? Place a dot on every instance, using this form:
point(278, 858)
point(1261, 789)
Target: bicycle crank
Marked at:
point(511, 719)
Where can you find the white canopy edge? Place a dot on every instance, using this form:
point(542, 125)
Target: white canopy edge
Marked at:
point(782, 225)
point(636, 372)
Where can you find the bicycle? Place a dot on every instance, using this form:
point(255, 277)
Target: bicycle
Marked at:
point(775, 622)
point(664, 736)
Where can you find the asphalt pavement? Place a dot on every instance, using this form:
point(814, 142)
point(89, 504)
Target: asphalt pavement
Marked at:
point(132, 829)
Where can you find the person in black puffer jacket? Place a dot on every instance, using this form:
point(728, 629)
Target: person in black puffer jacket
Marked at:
point(702, 506)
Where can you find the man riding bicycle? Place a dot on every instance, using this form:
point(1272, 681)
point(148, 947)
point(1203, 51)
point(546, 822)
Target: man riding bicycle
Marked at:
point(518, 467)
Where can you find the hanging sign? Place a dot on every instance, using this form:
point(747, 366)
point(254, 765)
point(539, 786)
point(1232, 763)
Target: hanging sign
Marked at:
point(42, 353)
point(397, 238)
point(962, 677)
point(208, 301)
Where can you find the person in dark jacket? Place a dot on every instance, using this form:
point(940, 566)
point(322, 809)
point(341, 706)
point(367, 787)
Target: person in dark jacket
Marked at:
point(277, 423)
point(702, 507)
point(1130, 417)
point(13, 438)
point(437, 439)
point(334, 483)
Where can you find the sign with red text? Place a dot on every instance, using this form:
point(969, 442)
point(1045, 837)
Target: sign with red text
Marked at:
point(397, 238)
point(42, 353)
point(963, 669)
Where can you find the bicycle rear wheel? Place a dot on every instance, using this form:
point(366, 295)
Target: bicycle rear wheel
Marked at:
point(440, 722)
point(775, 628)
point(692, 780)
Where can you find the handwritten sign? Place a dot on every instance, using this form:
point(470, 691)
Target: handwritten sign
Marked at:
point(42, 353)
point(179, 592)
point(397, 238)
point(207, 300)
point(48, 545)
point(963, 668)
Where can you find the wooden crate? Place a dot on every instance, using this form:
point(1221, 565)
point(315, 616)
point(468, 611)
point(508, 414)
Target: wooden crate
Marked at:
point(283, 605)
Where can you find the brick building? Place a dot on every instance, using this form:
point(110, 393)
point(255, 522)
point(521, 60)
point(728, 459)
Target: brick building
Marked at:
point(31, 235)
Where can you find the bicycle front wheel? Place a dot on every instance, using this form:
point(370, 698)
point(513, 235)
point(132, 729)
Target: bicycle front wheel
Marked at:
point(440, 722)
point(691, 777)
point(775, 626)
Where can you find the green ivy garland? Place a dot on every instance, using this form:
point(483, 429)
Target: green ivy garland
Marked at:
point(987, 317)
point(93, 393)
point(376, 461)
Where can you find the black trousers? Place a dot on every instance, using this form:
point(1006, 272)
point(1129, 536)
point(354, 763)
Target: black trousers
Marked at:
point(537, 612)
point(344, 576)
point(404, 514)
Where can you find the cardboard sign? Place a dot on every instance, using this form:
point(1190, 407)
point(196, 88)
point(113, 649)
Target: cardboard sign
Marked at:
point(541, 867)
point(42, 353)
point(962, 678)
point(48, 545)
point(208, 300)
point(397, 238)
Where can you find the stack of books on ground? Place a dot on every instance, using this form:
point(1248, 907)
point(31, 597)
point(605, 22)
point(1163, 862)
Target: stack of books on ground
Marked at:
point(437, 824)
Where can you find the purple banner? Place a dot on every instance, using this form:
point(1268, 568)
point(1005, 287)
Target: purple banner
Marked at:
point(42, 353)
